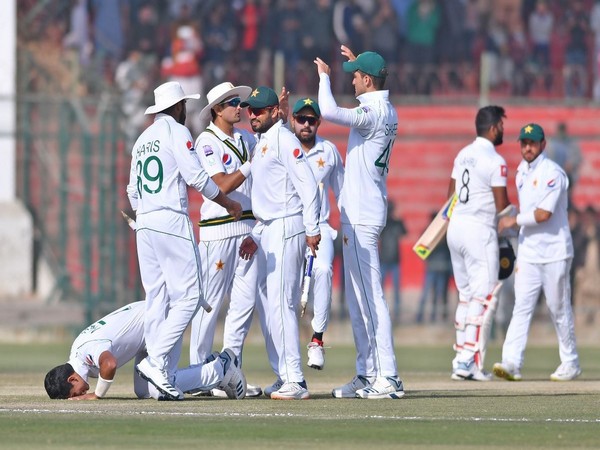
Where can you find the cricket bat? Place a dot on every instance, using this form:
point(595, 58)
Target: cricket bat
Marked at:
point(306, 284)
point(436, 230)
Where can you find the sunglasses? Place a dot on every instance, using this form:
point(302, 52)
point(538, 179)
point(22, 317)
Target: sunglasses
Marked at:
point(312, 120)
point(258, 111)
point(232, 102)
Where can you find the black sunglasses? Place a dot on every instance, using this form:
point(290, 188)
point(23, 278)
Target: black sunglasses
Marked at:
point(312, 120)
point(258, 111)
point(232, 102)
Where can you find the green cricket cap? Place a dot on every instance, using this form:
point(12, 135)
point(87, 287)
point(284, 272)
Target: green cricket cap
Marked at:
point(261, 97)
point(370, 63)
point(307, 103)
point(533, 132)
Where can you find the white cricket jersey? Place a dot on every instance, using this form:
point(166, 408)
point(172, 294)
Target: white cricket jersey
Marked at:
point(328, 169)
point(163, 161)
point(543, 184)
point(283, 184)
point(221, 153)
point(121, 333)
point(477, 169)
point(374, 125)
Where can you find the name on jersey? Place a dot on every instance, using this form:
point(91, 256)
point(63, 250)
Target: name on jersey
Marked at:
point(148, 147)
point(468, 162)
point(391, 129)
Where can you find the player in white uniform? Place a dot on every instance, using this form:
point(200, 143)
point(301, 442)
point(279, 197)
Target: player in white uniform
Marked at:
point(373, 127)
point(225, 152)
point(163, 163)
point(285, 201)
point(544, 258)
point(328, 169)
point(479, 181)
point(113, 341)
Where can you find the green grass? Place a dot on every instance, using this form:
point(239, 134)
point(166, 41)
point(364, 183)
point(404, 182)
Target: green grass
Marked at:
point(534, 413)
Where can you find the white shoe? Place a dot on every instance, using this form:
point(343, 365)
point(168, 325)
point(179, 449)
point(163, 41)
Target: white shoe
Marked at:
point(274, 387)
point(234, 381)
point(383, 387)
point(253, 391)
point(159, 379)
point(291, 391)
point(508, 371)
point(470, 371)
point(566, 372)
point(316, 355)
point(348, 390)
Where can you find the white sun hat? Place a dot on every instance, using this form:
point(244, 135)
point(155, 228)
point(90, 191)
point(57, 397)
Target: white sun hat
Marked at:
point(166, 95)
point(219, 93)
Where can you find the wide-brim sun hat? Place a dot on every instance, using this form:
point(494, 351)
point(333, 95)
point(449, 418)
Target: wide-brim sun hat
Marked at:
point(168, 94)
point(219, 93)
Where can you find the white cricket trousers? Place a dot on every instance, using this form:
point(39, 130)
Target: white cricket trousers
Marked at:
point(369, 314)
point(530, 280)
point(169, 268)
point(320, 289)
point(279, 260)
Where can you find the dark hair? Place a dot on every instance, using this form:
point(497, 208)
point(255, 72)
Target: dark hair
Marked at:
point(56, 381)
point(487, 117)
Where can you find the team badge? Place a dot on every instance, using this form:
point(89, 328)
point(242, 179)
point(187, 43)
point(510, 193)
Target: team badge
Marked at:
point(298, 154)
point(551, 183)
point(321, 163)
point(207, 150)
point(190, 146)
point(227, 159)
point(503, 171)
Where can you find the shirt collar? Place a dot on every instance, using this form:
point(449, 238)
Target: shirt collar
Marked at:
point(536, 162)
point(220, 133)
point(374, 95)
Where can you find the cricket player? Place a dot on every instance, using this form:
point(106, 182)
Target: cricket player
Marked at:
point(328, 169)
point(544, 258)
point(285, 201)
point(164, 162)
point(116, 339)
point(225, 152)
point(373, 127)
point(479, 181)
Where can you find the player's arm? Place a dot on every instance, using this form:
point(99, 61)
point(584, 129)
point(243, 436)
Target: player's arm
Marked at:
point(451, 187)
point(107, 364)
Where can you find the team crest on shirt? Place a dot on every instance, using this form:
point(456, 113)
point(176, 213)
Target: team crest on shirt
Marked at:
point(362, 109)
point(503, 171)
point(227, 159)
point(551, 183)
point(321, 163)
point(298, 154)
point(207, 150)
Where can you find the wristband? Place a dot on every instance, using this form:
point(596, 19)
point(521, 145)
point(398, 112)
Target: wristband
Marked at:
point(245, 169)
point(526, 219)
point(102, 387)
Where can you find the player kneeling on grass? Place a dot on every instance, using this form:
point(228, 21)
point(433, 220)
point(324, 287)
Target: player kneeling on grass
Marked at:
point(116, 339)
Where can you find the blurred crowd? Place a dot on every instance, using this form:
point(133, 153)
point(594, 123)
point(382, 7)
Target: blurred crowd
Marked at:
point(434, 47)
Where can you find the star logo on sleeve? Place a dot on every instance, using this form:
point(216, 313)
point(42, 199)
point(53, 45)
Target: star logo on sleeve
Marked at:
point(320, 163)
point(528, 129)
point(255, 92)
point(220, 264)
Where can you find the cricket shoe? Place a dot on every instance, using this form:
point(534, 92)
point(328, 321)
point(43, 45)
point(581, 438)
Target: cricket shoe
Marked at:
point(566, 372)
point(383, 387)
point(291, 391)
point(159, 379)
point(274, 387)
point(251, 391)
point(508, 371)
point(234, 381)
point(316, 355)
point(348, 390)
point(470, 371)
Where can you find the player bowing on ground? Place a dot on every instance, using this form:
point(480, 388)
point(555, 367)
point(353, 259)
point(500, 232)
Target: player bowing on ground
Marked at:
point(479, 181)
point(373, 127)
point(116, 339)
point(327, 167)
point(544, 260)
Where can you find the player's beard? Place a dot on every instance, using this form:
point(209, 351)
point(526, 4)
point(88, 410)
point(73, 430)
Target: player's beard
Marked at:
point(309, 139)
point(261, 127)
point(182, 117)
point(499, 139)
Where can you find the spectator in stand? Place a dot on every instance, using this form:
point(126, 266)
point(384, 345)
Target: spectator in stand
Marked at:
point(576, 55)
point(289, 18)
point(541, 25)
point(78, 37)
point(401, 8)
point(595, 28)
point(250, 18)
point(424, 18)
point(146, 35)
point(266, 37)
point(580, 242)
point(437, 276)
point(564, 150)
point(384, 31)
point(317, 36)
point(587, 296)
point(389, 255)
point(220, 39)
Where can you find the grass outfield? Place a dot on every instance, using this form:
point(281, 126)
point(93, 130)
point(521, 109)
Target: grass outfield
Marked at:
point(535, 413)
